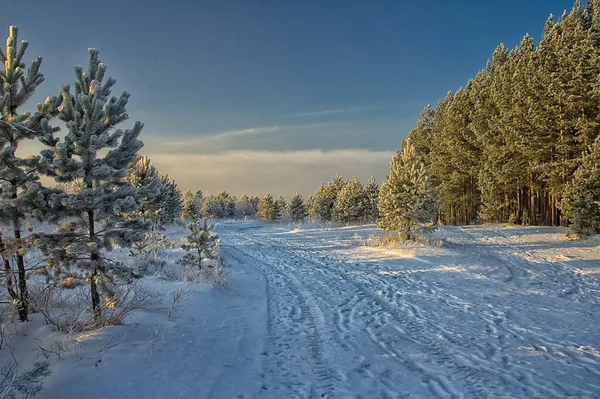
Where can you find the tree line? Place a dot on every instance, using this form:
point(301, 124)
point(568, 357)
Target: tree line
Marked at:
point(507, 146)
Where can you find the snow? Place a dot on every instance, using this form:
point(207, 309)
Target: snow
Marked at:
point(309, 312)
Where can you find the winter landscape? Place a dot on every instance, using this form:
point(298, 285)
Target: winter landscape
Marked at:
point(467, 267)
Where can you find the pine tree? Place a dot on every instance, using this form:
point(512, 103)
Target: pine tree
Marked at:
point(371, 209)
point(246, 207)
point(227, 204)
point(189, 209)
point(266, 208)
point(581, 202)
point(202, 242)
point(405, 198)
point(350, 202)
point(322, 202)
point(297, 209)
point(281, 209)
point(212, 208)
point(20, 190)
point(171, 200)
point(93, 221)
point(144, 177)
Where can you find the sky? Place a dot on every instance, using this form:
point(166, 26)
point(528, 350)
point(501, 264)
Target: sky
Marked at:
point(274, 95)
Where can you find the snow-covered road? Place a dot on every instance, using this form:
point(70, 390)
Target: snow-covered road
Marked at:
point(496, 313)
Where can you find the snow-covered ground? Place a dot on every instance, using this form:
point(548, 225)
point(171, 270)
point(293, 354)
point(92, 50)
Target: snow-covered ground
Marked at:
point(309, 313)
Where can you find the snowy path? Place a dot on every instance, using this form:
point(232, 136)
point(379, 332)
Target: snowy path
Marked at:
point(496, 313)
point(484, 318)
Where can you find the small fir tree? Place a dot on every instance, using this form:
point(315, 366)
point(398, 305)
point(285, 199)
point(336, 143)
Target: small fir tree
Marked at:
point(202, 243)
point(405, 199)
point(266, 208)
point(297, 209)
point(350, 202)
point(189, 209)
point(371, 209)
point(281, 209)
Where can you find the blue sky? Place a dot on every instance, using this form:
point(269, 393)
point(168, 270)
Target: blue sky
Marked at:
point(274, 95)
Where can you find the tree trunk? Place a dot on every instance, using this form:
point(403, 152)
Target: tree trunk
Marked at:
point(23, 305)
point(94, 257)
point(9, 274)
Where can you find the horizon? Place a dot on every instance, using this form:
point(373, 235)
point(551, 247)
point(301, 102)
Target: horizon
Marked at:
point(263, 96)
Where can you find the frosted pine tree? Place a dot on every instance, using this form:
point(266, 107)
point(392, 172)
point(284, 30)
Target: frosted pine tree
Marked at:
point(297, 209)
point(405, 198)
point(171, 200)
point(143, 176)
point(581, 201)
point(20, 191)
point(371, 211)
point(350, 202)
point(266, 208)
point(93, 221)
point(281, 209)
point(189, 209)
point(202, 243)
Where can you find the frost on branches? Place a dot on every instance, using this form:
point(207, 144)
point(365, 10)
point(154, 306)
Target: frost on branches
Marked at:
point(95, 219)
point(21, 194)
point(202, 243)
point(405, 198)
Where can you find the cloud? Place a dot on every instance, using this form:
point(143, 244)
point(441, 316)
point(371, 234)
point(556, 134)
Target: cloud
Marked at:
point(218, 141)
point(278, 172)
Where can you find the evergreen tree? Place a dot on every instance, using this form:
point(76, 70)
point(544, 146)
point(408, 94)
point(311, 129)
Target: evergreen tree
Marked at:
point(202, 242)
point(227, 204)
point(199, 198)
point(144, 177)
point(297, 209)
point(350, 202)
point(581, 202)
point(322, 202)
point(266, 208)
point(281, 209)
point(246, 207)
point(94, 220)
point(212, 207)
point(20, 190)
point(371, 209)
point(405, 198)
point(189, 209)
point(171, 200)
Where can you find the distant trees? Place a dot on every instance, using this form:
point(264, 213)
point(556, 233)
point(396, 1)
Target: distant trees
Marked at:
point(345, 201)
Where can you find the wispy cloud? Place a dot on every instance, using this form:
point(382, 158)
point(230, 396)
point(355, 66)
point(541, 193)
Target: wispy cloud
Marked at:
point(351, 110)
point(278, 172)
point(224, 136)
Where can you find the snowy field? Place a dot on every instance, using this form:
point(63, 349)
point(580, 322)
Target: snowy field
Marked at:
point(496, 312)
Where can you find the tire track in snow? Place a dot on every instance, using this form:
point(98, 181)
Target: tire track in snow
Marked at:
point(303, 327)
point(484, 377)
